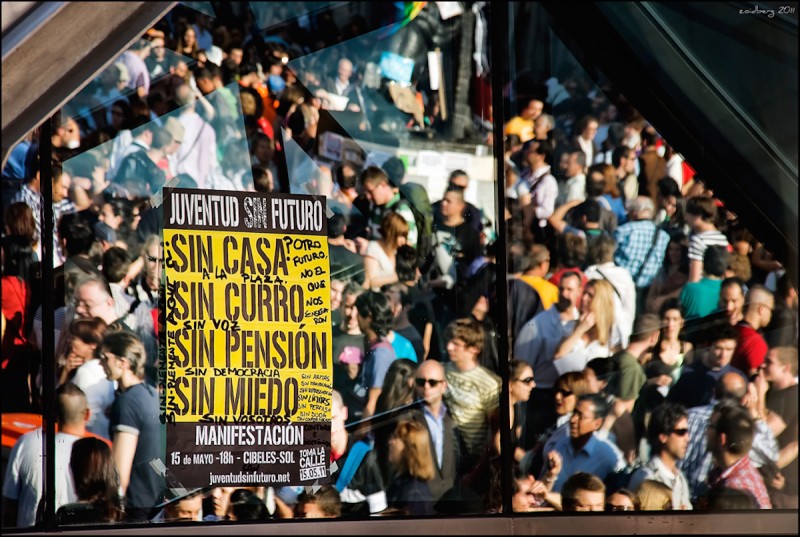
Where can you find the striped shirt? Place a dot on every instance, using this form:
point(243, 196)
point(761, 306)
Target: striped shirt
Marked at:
point(471, 397)
point(699, 242)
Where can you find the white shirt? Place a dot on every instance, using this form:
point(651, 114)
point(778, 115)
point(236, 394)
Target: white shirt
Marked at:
point(573, 188)
point(24, 476)
point(657, 471)
point(91, 378)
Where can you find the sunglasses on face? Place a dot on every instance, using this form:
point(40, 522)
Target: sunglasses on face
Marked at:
point(680, 432)
point(431, 382)
point(563, 392)
point(526, 380)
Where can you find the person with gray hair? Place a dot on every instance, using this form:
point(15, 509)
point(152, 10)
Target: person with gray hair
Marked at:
point(641, 245)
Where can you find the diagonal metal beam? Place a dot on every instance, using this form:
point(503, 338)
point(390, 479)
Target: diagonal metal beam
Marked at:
point(50, 51)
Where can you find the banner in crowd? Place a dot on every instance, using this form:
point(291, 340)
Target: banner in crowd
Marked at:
point(246, 372)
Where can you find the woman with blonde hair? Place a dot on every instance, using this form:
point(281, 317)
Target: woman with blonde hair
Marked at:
point(379, 257)
point(654, 496)
point(592, 336)
point(411, 459)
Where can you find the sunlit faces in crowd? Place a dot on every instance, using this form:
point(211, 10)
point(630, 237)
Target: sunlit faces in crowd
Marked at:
point(459, 352)
point(583, 421)
point(113, 365)
point(720, 353)
point(92, 299)
point(379, 193)
point(187, 509)
point(220, 500)
point(430, 381)
point(153, 258)
point(622, 500)
point(522, 385)
point(337, 287)
point(731, 300)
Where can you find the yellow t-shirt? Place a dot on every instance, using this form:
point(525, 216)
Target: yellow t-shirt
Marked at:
point(547, 291)
point(521, 127)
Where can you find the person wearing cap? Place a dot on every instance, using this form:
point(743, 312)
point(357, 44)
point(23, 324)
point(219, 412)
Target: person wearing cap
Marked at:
point(105, 234)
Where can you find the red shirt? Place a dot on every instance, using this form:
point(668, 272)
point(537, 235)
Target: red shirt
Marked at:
point(751, 348)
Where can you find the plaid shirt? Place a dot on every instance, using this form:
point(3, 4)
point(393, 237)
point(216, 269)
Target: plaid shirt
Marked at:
point(741, 476)
point(697, 463)
point(634, 240)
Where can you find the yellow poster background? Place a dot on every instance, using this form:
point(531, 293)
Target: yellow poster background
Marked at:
point(225, 327)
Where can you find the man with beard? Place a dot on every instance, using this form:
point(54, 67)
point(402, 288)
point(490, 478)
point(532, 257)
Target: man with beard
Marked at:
point(537, 343)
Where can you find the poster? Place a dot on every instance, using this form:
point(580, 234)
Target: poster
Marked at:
point(246, 373)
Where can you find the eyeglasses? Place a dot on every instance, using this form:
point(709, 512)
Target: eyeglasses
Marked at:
point(564, 393)
point(431, 382)
point(526, 380)
point(612, 507)
point(680, 432)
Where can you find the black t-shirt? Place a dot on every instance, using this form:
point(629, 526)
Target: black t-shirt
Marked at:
point(422, 313)
point(784, 403)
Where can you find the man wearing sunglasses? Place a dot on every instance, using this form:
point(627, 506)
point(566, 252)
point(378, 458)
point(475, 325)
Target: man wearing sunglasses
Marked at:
point(668, 436)
point(433, 414)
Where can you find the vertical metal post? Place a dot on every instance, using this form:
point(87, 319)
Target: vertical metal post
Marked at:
point(498, 43)
point(48, 323)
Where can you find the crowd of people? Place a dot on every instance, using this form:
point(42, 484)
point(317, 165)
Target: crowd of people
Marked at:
point(653, 339)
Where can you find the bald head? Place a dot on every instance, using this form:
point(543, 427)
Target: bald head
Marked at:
point(758, 295)
point(731, 385)
point(431, 369)
point(345, 70)
point(431, 374)
point(72, 405)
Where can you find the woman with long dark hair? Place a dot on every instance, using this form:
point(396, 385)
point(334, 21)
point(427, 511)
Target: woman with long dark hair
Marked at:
point(96, 485)
point(397, 392)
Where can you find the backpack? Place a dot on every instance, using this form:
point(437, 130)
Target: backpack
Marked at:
point(416, 198)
